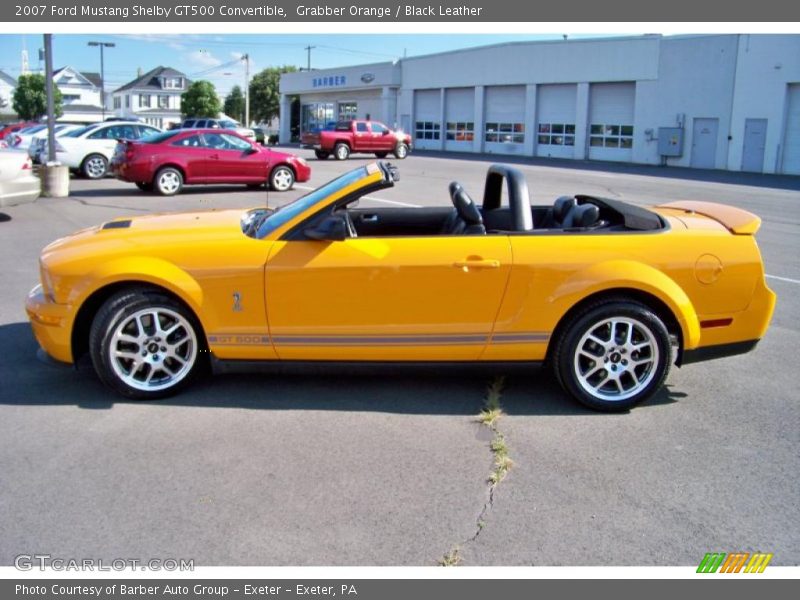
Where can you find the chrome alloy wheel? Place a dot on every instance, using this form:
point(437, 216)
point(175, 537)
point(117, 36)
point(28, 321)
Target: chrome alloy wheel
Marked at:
point(342, 152)
point(153, 349)
point(616, 358)
point(401, 152)
point(169, 182)
point(96, 167)
point(282, 179)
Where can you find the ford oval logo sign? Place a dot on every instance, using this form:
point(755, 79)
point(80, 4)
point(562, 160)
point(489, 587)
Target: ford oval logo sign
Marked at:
point(368, 78)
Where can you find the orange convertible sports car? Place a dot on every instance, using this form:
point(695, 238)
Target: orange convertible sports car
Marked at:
point(608, 293)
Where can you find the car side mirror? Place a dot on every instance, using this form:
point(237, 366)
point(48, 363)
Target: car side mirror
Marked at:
point(251, 150)
point(332, 229)
point(386, 132)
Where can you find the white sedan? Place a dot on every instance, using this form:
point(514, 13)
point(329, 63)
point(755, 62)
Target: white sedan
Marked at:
point(18, 184)
point(89, 150)
point(39, 140)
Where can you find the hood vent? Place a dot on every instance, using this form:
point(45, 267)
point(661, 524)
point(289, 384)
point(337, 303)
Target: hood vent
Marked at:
point(117, 224)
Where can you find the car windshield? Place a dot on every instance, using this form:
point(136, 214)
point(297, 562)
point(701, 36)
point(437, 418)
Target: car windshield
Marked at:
point(156, 137)
point(282, 215)
point(82, 130)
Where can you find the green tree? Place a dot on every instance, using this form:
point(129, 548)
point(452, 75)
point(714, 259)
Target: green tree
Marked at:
point(234, 104)
point(30, 98)
point(265, 97)
point(201, 100)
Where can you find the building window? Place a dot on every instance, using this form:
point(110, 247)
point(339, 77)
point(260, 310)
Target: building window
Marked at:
point(117, 102)
point(513, 133)
point(163, 101)
point(70, 97)
point(427, 130)
point(127, 100)
point(460, 131)
point(315, 117)
point(611, 136)
point(556, 134)
point(173, 83)
point(144, 100)
point(348, 111)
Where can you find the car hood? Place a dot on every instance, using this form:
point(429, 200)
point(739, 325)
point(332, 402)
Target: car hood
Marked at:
point(167, 235)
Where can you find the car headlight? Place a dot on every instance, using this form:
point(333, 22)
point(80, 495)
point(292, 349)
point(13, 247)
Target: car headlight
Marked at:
point(47, 283)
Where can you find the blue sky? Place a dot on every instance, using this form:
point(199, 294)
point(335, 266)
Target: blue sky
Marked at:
point(206, 56)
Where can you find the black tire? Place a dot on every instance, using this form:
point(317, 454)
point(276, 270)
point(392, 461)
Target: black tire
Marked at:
point(145, 186)
point(94, 166)
point(168, 181)
point(381, 154)
point(321, 154)
point(341, 151)
point(401, 151)
point(118, 314)
point(618, 383)
point(281, 179)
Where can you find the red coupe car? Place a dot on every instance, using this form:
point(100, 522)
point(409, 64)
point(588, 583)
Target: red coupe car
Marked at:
point(165, 162)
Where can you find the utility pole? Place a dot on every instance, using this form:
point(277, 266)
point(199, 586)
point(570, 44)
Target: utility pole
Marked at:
point(48, 87)
point(309, 49)
point(102, 74)
point(246, 59)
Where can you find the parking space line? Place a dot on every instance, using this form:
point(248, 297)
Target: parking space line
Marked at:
point(787, 279)
point(373, 198)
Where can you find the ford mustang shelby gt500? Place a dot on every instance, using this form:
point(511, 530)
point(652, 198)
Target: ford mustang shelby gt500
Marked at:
point(610, 294)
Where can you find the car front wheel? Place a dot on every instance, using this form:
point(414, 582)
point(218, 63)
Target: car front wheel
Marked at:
point(168, 181)
point(401, 151)
point(144, 344)
point(95, 166)
point(281, 179)
point(613, 355)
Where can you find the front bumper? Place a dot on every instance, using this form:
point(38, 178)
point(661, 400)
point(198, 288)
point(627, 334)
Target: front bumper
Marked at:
point(20, 191)
point(51, 323)
point(302, 172)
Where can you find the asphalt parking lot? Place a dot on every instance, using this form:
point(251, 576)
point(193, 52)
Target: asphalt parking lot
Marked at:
point(388, 466)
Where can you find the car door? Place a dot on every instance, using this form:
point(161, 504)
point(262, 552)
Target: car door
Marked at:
point(104, 139)
point(231, 159)
point(390, 298)
point(382, 140)
point(362, 137)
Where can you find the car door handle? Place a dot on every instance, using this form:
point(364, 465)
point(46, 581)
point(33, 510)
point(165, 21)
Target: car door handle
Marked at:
point(368, 218)
point(477, 263)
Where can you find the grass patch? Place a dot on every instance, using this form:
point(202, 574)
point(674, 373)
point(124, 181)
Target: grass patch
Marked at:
point(452, 558)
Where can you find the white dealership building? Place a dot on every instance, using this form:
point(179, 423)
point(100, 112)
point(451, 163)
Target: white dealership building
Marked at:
point(706, 101)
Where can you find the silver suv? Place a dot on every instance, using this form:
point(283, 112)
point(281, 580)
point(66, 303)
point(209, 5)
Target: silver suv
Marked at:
point(228, 124)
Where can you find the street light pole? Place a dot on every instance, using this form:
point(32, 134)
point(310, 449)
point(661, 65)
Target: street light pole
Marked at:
point(102, 75)
point(48, 87)
point(246, 59)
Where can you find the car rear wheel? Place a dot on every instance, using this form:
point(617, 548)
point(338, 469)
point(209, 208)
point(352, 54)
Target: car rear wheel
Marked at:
point(321, 155)
point(401, 151)
point(145, 186)
point(168, 181)
point(145, 345)
point(281, 179)
point(613, 355)
point(95, 166)
point(341, 151)
point(381, 154)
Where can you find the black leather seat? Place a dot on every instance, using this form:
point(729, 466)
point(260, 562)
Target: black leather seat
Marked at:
point(582, 215)
point(466, 218)
point(561, 208)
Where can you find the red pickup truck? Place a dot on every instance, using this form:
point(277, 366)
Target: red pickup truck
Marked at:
point(346, 137)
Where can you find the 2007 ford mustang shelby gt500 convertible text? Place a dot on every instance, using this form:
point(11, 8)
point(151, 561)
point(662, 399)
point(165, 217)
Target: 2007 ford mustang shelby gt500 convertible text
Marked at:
point(608, 293)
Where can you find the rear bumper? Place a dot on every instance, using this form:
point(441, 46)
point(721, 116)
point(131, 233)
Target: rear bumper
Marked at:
point(20, 191)
point(51, 323)
point(131, 173)
point(719, 351)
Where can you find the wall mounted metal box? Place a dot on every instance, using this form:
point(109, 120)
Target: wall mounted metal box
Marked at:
point(670, 141)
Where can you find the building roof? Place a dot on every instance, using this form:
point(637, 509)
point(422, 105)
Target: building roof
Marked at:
point(160, 111)
point(150, 80)
point(93, 77)
point(8, 79)
point(88, 76)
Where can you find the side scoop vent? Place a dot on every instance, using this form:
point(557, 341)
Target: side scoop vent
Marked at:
point(124, 224)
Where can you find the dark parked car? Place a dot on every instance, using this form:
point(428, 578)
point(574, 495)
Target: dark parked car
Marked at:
point(167, 161)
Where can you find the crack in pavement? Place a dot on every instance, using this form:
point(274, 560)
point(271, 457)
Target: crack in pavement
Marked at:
point(488, 417)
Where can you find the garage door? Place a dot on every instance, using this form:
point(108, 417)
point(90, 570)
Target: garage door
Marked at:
point(459, 110)
point(611, 107)
point(427, 119)
point(555, 120)
point(791, 148)
point(504, 120)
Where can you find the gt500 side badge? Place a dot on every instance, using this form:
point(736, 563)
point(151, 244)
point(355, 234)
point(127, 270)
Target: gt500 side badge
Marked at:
point(237, 302)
